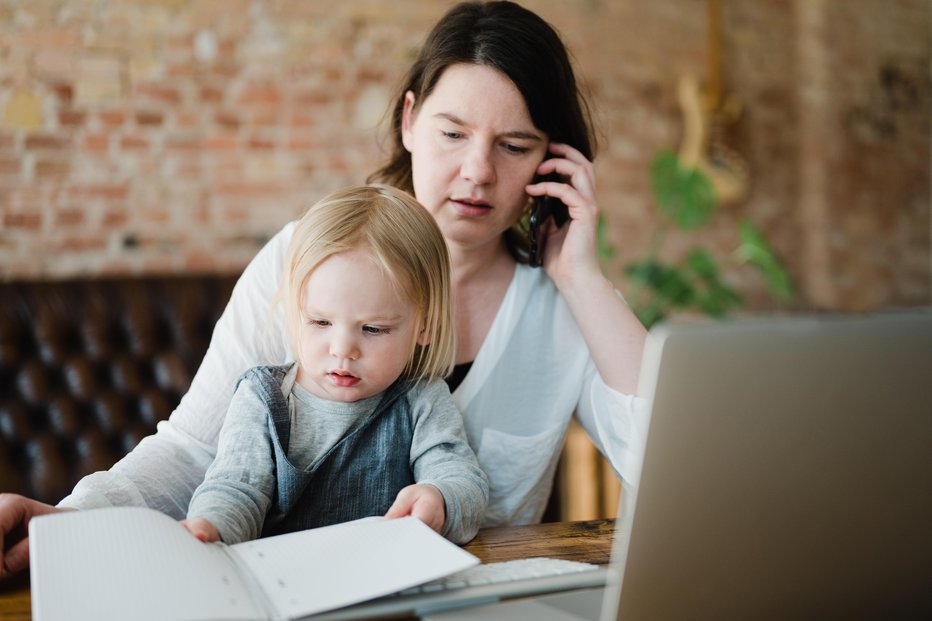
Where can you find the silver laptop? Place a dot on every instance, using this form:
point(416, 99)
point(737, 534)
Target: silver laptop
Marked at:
point(787, 475)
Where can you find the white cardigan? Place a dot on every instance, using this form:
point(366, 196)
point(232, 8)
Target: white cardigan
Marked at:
point(532, 372)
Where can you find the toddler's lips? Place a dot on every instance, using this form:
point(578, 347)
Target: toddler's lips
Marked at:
point(342, 380)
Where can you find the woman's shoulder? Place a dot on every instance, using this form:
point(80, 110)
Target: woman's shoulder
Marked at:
point(534, 288)
point(269, 259)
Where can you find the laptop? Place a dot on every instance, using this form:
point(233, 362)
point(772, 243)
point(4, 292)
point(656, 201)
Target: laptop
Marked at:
point(787, 475)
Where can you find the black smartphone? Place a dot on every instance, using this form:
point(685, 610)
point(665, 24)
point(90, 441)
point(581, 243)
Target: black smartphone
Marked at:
point(542, 208)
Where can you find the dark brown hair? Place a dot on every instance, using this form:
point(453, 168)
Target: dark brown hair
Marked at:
point(515, 41)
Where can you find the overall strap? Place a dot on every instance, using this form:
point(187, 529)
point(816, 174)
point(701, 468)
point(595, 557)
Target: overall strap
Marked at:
point(357, 477)
point(267, 381)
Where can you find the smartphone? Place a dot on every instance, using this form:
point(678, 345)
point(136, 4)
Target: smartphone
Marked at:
point(542, 208)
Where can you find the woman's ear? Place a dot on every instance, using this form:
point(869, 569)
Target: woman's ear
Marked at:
point(407, 120)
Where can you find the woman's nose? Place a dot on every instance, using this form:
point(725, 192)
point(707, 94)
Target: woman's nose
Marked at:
point(477, 165)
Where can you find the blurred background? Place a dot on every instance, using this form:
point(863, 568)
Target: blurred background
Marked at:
point(141, 136)
point(149, 137)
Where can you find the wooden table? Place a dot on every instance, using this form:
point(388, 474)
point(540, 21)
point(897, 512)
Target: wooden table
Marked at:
point(589, 541)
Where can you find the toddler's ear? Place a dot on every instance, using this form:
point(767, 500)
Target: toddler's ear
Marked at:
point(423, 337)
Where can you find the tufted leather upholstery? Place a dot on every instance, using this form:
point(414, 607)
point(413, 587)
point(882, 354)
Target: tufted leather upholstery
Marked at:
point(88, 367)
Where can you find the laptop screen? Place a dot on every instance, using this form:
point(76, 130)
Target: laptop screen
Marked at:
point(787, 475)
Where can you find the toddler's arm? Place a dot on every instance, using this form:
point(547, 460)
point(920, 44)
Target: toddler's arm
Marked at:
point(441, 456)
point(237, 491)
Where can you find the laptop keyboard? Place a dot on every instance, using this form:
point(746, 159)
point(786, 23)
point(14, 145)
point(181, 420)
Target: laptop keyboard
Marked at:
point(480, 584)
point(502, 572)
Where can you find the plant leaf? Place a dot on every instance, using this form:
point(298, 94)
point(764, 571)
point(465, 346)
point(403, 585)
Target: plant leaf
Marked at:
point(755, 250)
point(683, 194)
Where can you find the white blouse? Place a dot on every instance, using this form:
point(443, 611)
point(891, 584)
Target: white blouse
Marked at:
point(531, 373)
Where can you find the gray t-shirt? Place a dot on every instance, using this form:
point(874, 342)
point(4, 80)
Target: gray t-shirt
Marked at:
point(237, 491)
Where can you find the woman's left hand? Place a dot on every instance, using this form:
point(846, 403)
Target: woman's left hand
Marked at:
point(570, 250)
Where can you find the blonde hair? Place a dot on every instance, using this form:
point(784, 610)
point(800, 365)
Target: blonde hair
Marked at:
point(404, 240)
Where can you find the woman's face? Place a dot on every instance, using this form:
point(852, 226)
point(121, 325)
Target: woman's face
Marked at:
point(473, 150)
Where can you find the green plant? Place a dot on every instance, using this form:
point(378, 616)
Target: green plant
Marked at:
point(685, 199)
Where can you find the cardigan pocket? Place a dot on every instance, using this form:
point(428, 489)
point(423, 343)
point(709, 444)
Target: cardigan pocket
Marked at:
point(520, 471)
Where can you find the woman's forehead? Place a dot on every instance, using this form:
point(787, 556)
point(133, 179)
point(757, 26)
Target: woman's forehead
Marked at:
point(468, 91)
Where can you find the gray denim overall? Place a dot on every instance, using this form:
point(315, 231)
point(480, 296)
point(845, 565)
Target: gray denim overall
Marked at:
point(358, 477)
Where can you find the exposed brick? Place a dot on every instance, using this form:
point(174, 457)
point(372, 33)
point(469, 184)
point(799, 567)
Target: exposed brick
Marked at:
point(71, 118)
point(114, 218)
point(184, 143)
point(228, 120)
point(133, 142)
point(247, 188)
point(109, 192)
point(260, 143)
point(210, 95)
point(96, 142)
point(188, 120)
point(46, 170)
point(37, 142)
point(10, 166)
point(64, 92)
point(157, 93)
point(222, 142)
point(298, 143)
point(194, 137)
point(260, 93)
point(150, 119)
point(80, 244)
point(112, 118)
point(69, 218)
point(26, 221)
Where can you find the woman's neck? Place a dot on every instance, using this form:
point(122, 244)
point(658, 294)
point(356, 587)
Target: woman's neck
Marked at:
point(480, 281)
point(472, 265)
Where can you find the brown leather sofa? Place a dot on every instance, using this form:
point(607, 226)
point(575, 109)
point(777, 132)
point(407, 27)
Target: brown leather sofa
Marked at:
point(88, 367)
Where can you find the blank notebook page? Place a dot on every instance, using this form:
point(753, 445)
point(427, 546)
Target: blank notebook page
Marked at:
point(150, 568)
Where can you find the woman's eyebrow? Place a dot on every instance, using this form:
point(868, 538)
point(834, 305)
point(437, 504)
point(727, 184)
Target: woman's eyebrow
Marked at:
point(517, 133)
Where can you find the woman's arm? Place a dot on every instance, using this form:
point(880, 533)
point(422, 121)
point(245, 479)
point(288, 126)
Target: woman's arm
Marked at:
point(612, 332)
point(165, 468)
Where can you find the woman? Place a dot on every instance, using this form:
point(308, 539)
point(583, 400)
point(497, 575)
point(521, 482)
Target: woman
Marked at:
point(490, 105)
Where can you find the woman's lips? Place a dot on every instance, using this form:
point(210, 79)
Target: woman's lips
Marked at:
point(468, 207)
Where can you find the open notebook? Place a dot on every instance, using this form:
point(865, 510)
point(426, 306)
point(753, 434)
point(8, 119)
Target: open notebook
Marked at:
point(787, 475)
point(135, 563)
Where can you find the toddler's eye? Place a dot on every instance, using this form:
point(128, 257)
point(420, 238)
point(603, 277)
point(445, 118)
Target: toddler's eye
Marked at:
point(322, 323)
point(374, 330)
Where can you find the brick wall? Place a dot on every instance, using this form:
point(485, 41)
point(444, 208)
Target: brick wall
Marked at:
point(144, 136)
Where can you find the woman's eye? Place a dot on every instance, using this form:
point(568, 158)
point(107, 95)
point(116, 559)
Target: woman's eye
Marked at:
point(374, 330)
point(451, 135)
point(515, 148)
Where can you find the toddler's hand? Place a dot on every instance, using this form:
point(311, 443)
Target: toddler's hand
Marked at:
point(202, 529)
point(423, 501)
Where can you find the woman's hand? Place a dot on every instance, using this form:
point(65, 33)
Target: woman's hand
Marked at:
point(423, 501)
point(15, 513)
point(570, 251)
point(613, 334)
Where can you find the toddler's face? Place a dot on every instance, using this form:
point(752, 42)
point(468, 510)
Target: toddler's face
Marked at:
point(356, 332)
